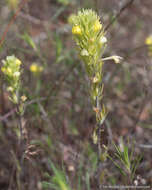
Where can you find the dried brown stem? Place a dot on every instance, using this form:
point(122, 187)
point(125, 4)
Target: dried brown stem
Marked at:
point(12, 21)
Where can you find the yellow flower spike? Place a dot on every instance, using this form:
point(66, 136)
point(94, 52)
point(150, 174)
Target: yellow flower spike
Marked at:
point(76, 30)
point(97, 26)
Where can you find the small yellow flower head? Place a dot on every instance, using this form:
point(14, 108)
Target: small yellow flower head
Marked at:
point(148, 40)
point(97, 26)
point(9, 70)
point(76, 30)
point(34, 68)
point(18, 62)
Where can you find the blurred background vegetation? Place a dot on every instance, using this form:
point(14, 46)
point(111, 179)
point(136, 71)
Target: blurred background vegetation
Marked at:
point(59, 120)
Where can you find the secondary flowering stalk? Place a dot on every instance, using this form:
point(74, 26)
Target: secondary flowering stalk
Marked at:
point(12, 70)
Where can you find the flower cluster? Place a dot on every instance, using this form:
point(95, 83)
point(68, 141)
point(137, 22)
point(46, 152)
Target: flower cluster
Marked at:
point(89, 35)
point(11, 69)
point(90, 38)
point(148, 42)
